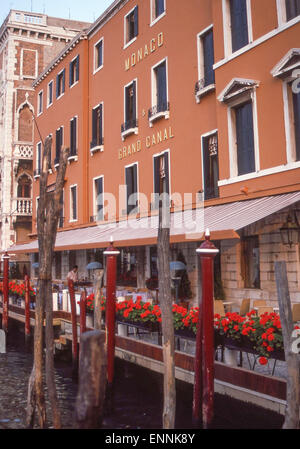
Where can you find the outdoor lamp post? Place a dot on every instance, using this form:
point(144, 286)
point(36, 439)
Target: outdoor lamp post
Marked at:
point(290, 231)
point(111, 274)
point(204, 369)
point(5, 291)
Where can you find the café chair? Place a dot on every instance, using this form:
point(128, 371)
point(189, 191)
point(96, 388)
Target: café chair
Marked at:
point(262, 310)
point(296, 312)
point(245, 306)
point(259, 303)
point(219, 307)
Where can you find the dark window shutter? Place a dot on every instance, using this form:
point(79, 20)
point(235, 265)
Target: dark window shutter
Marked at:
point(100, 124)
point(99, 54)
point(57, 86)
point(99, 199)
point(296, 104)
point(134, 101)
point(166, 156)
point(239, 24)
point(161, 87)
point(71, 80)
point(245, 139)
point(129, 187)
point(159, 7)
point(77, 68)
point(292, 8)
point(63, 81)
point(156, 174)
point(71, 136)
point(94, 126)
point(74, 203)
point(208, 51)
point(136, 22)
point(57, 145)
point(73, 132)
point(135, 190)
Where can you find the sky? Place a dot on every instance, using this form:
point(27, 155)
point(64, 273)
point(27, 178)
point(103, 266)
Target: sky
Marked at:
point(84, 10)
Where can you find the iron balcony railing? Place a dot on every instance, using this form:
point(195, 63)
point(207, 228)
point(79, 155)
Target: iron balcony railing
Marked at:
point(164, 106)
point(129, 124)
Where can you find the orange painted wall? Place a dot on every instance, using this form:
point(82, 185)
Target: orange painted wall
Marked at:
point(188, 120)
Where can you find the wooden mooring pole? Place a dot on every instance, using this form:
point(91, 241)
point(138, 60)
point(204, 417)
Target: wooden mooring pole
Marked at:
point(207, 252)
point(27, 310)
point(5, 291)
point(92, 381)
point(291, 351)
point(111, 263)
point(74, 327)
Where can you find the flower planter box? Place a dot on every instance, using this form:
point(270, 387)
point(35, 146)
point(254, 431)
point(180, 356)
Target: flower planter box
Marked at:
point(185, 333)
point(149, 326)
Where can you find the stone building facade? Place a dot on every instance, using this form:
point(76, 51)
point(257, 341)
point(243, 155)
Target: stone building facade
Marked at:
point(28, 42)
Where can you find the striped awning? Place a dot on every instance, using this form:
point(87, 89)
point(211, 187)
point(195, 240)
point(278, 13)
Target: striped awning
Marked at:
point(222, 220)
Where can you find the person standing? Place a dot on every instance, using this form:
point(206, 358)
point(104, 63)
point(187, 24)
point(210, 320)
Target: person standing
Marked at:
point(73, 274)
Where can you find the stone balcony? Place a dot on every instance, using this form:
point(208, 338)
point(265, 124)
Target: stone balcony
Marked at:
point(22, 206)
point(23, 150)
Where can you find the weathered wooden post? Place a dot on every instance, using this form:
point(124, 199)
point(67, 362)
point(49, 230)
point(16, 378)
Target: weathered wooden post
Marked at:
point(82, 312)
point(111, 263)
point(292, 358)
point(74, 327)
point(92, 381)
point(207, 252)
point(27, 310)
point(5, 291)
point(198, 379)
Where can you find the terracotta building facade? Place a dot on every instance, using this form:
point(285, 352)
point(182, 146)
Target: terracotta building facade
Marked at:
point(28, 43)
point(213, 110)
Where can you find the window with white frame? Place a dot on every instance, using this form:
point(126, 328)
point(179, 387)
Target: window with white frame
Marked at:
point(131, 28)
point(98, 199)
point(161, 169)
point(288, 72)
point(210, 165)
point(60, 83)
point(131, 182)
point(160, 103)
point(240, 97)
point(73, 203)
point(237, 24)
point(40, 102)
point(61, 217)
point(157, 7)
point(38, 164)
point(130, 109)
point(206, 79)
point(50, 93)
point(292, 9)
point(58, 144)
point(74, 71)
point(97, 128)
point(98, 55)
point(73, 138)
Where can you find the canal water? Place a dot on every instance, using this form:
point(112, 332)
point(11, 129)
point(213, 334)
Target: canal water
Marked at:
point(138, 396)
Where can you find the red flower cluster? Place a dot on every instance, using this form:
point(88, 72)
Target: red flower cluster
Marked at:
point(18, 289)
point(264, 331)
